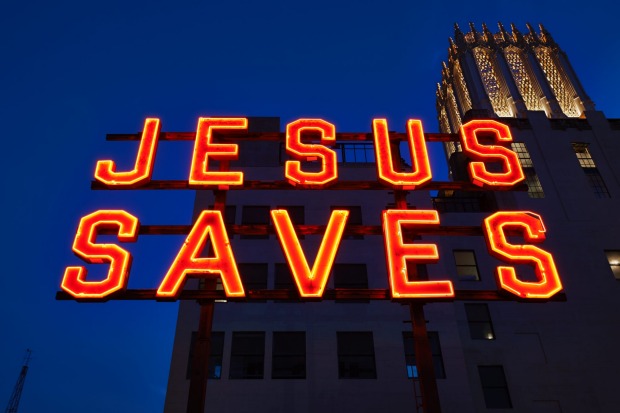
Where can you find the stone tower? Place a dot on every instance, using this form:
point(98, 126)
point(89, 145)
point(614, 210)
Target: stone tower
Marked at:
point(506, 75)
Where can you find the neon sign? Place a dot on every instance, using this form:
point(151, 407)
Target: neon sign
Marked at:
point(484, 141)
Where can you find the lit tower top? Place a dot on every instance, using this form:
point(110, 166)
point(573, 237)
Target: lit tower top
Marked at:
point(506, 75)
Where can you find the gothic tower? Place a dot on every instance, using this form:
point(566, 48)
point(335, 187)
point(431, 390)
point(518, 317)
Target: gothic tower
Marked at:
point(506, 75)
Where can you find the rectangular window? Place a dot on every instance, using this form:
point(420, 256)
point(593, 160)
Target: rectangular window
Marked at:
point(534, 188)
point(479, 320)
point(255, 215)
point(363, 152)
point(466, 267)
point(283, 280)
point(355, 218)
point(356, 355)
point(289, 355)
point(410, 361)
point(354, 276)
point(494, 387)
point(613, 257)
point(254, 276)
point(589, 168)
point(247, 355)
point(215, 358)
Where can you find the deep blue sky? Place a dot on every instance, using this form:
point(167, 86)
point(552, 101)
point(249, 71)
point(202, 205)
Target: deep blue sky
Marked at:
point(72, 71)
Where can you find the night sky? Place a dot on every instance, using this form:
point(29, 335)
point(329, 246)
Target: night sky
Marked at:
point(72, 71)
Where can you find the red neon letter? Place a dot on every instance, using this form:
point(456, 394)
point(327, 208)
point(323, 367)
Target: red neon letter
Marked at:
point(84, 246)
point(204, 149)
point(533, 230)
point(188, 261)
point(309, 152)
point(310, 283)
point(478, 172)
point(397, 254)
point(419, 157)
point(105, 171)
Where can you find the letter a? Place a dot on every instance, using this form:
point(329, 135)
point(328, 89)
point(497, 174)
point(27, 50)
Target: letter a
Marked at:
point(189, 263)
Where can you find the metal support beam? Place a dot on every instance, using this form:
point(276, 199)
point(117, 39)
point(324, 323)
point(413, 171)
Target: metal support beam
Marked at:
point(424, 360)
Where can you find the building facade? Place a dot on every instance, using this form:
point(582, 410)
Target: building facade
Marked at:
point(330, 356)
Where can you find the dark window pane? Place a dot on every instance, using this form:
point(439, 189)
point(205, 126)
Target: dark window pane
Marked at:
point(589, 168)
point(355, 217)
point(356, 355)
point(283, 280)
point(466, 267)
point(494, 387)
point(283, 277)
point(289, 355)
point(215, 357)
point(479, 321)
point(410, 360)
point(354, 276)
point(597, 183)
point(255, 215)
point(254, 275)
point(247, 355)
point(534, 187)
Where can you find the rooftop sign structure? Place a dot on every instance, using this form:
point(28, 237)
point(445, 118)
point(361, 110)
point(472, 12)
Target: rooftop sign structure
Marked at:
point(485, 142)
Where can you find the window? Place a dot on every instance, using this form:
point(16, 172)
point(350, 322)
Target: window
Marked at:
point(494, 387)
point(479, 320)
point(215, 358)
point(410, 362)
point(289, 355)
point(613, 257)
point(283, 280)
point(356, 355)
point(354, 276)
point(355, 218)
point(297, 215)
point(254, 276)
point(247, 355)
point(255, 215)
point(466, 267)
point(589, 168)
point(355, 152)
point(534, 188)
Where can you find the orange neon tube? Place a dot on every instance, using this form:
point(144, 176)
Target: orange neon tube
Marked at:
point(189, 263)
point(398, 253)
point(84, 246)
point(205, 149)
point(511, 167)
point(309, 152)
point(105, 171)
point(417, 149)
point(533, 230)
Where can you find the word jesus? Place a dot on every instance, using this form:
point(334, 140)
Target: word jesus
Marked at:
point(483, 141)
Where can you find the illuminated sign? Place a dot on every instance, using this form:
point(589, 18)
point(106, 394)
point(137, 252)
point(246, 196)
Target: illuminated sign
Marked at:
point(485, 142)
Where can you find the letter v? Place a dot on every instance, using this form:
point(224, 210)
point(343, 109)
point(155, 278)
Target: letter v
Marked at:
point(310, 283)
